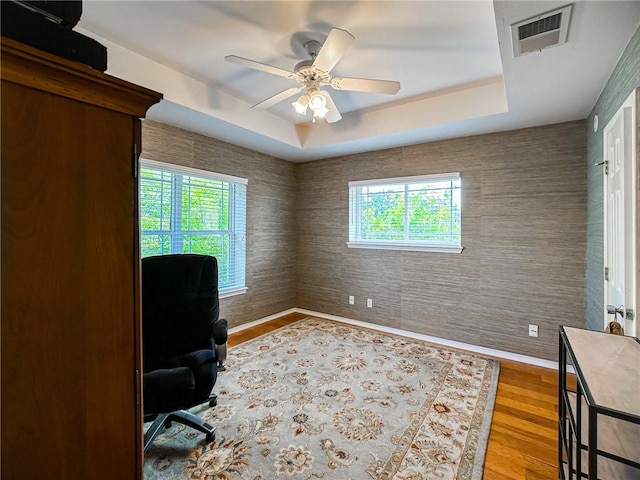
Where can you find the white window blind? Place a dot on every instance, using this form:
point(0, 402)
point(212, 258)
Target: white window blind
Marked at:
point(184, 210)
point(408, 213)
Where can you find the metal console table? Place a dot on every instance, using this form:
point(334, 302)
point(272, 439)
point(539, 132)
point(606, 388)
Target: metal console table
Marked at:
point(599, 423)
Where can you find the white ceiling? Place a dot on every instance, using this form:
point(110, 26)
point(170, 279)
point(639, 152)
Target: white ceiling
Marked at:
point(453, 59)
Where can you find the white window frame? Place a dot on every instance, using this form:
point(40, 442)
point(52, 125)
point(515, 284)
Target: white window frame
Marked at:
point(239, 230)
point(420, 246)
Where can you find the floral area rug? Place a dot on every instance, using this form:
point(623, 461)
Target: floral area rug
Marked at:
point(325, 400)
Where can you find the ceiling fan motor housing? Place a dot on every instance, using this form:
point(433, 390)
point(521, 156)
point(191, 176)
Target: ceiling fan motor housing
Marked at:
point(313, 48)
point(306, 74)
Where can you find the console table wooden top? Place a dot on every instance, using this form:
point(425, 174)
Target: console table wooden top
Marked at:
point(610, 366)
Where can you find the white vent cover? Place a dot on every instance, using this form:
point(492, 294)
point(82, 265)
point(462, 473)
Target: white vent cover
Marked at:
point(542, 31)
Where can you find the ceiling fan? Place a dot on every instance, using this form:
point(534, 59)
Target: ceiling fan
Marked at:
point(316, 73)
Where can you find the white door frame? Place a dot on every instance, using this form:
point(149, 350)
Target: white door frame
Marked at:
point(628, 109)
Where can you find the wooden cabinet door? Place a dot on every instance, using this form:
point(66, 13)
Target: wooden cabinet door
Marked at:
point(68, 289)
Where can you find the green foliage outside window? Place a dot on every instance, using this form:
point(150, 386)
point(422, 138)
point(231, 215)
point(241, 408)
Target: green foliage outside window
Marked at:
point(421, 212)
point(182, 213)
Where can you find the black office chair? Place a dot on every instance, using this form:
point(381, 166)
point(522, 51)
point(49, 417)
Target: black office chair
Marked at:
point(184, 341)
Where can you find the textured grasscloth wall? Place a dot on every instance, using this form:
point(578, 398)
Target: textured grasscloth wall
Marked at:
point(271, 208)
point(524, 233)
point(524, 237)
point(625, 77)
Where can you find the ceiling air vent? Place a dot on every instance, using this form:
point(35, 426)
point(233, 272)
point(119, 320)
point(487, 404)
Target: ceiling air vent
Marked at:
point(540, 32)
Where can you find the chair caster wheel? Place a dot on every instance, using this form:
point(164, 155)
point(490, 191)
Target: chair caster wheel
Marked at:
point(210, 437)
point(213, 403)
point(168, 424)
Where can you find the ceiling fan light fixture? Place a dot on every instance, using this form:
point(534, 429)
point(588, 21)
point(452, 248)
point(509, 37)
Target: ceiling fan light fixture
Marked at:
point(317, 101)
point(320, 112)
point(301, 104)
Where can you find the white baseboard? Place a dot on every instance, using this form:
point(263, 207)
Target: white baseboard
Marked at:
point(540, 362)
point(244, 326)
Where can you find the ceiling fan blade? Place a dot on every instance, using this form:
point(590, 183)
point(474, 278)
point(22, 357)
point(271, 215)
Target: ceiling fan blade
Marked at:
point(278, 97)
point(333, 49)
point(333, 115)
point(366, 85)
point(259, 66)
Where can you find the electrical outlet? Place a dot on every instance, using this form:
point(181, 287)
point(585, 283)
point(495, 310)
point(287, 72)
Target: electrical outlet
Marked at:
point(533, 330)
point(352, 300)
point(369, 303)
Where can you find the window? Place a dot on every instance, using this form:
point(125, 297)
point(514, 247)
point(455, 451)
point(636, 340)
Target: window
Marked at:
point(184, 210)
point(410, 213)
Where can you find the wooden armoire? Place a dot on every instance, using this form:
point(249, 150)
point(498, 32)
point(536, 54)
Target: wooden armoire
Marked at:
point(71, 348)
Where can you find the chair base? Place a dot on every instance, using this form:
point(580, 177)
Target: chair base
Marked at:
point(164, 420)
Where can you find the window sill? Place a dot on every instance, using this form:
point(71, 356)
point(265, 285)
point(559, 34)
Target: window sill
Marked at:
point(231, 292)
point(411, 247)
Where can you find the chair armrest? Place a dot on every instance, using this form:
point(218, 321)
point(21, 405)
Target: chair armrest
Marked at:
point(220, 336)
point(221, 356)
point(195, 360)
point(205, 370)
point(220, 331)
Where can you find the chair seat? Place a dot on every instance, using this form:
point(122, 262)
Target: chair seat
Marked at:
point(165, 390)
point(180, 387)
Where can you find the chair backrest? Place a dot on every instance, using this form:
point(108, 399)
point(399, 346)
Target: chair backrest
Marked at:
point(179, 303)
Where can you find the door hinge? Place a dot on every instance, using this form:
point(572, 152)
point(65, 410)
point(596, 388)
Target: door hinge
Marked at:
point(606, 166)
point(137, 387)
point(135, 160)
point(606, 273)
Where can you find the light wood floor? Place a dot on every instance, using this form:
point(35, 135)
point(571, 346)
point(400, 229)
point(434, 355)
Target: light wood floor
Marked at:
point(523, 440)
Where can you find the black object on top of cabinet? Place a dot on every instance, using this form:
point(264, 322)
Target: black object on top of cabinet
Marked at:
point(48, 26)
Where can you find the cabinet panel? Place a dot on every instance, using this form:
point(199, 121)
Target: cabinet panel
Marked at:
point(68, 318)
